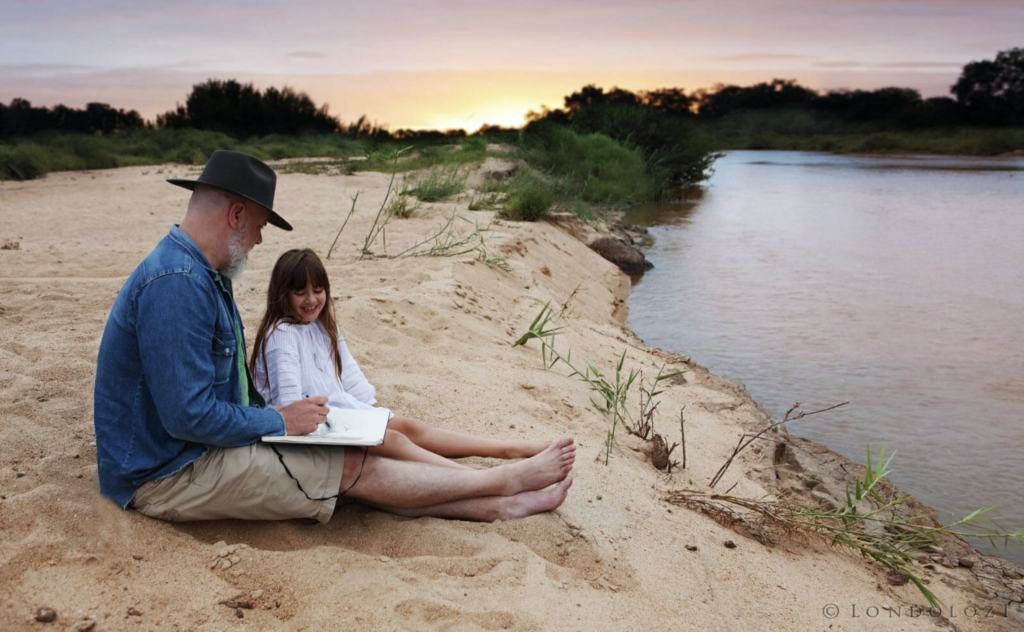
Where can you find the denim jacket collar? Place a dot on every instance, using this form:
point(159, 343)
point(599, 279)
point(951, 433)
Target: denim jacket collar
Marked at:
point(181, 238)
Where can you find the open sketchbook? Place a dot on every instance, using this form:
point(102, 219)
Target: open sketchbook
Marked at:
point(345, 426)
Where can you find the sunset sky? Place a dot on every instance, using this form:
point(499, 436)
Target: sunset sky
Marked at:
point(433, 64)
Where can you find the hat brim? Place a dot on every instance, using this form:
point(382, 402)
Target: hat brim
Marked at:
point(274, 218)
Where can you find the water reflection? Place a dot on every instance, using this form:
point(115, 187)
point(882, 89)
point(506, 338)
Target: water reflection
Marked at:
point(895, 283)
point(670, 213)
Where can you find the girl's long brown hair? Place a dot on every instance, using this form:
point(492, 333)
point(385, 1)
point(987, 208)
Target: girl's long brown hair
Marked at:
point(295, 270)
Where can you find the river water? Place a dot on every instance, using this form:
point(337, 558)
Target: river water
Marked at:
point(894, 283)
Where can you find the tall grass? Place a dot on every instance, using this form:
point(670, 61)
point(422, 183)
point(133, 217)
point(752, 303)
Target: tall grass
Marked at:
point(35, 156)
point(591, 167)
point(529, 198)
point(441, 182)
point(426, 154)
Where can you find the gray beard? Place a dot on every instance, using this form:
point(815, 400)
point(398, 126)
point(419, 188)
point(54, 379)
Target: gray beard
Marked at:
point(238, 256)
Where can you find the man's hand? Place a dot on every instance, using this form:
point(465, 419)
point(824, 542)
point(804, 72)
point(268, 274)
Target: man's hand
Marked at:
point(304, 416)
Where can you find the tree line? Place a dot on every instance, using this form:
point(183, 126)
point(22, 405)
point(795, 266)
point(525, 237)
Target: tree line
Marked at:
point(987, 93)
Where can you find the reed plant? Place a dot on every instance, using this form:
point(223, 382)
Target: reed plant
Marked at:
point(869, 521)
point(609, 392)
point(447, 241)
point(351, 212)
point(384, 213)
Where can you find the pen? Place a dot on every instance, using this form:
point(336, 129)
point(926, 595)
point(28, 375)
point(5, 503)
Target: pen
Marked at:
point(327, 422)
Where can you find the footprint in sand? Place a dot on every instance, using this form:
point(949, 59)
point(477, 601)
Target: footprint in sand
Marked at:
point(435, 613)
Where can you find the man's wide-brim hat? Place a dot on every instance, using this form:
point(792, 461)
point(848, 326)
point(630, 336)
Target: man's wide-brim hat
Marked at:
point(242, 175)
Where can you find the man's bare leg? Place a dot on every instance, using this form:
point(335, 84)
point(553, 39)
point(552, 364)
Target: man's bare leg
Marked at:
point(410, 485)
point(491, 508)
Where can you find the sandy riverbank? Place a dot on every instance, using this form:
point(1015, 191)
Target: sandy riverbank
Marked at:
point(432, 334)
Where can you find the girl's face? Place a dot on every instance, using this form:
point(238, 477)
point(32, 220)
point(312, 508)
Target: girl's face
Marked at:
point(308, 303)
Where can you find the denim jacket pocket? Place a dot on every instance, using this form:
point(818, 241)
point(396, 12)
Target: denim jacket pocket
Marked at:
point(223, 356)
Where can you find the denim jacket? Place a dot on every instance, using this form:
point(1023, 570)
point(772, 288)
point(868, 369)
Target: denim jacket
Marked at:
point(167, 377)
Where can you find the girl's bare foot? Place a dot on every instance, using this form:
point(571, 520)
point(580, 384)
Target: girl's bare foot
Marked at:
point(548, 467)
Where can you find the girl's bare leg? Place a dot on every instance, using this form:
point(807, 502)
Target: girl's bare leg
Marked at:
point(398, 446)
point(452, 444)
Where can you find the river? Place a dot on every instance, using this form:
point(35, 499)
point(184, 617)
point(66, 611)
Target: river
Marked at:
point(896, 283)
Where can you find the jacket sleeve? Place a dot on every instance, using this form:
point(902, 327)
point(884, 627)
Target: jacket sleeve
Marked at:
point(177, 340)
point(353, 382)
point(283, 369)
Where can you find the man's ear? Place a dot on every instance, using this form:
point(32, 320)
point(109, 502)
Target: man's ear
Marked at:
point(235, 213)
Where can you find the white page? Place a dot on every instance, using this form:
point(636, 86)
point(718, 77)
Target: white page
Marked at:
point(345, 426)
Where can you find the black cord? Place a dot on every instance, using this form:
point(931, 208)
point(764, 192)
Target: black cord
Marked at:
point(299, 485)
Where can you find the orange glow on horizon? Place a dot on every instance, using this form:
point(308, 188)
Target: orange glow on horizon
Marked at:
point(501, 113)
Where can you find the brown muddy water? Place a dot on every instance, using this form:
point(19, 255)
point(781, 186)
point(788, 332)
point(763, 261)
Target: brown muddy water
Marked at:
point(894, 283)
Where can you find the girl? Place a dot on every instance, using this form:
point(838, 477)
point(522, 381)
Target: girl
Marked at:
point(300, 352)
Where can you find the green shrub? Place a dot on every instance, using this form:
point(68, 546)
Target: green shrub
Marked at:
point(440, 183)
point(20, 164)
point(592, 167)
point(529, 200)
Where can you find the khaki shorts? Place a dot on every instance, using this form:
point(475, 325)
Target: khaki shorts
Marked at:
point(248, 483)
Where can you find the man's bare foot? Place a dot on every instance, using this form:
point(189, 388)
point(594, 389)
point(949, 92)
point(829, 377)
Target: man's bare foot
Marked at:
point(547, 468)
point(535, 502)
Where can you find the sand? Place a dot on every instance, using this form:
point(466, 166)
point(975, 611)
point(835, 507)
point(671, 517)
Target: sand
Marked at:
point(432, 334)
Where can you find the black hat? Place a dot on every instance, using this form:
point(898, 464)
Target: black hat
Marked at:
point(242, 175)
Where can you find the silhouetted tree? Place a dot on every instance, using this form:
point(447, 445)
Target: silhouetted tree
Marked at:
point(885, 104)
point(669, 100)
point(722, 100)
point(242, 110)
point(20, 119)
point(992, 91)
point(429, 134)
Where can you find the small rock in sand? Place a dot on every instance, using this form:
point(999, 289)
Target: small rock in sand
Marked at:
point(20, 474)
point(968, 561)
point(85, 625)
point(132, 612)
point(46, 615)
point(690, 547)
point(729, 544)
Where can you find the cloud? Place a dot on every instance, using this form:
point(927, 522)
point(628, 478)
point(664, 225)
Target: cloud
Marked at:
point(312, 54)
point(942, 65)
point(756, 57)
point(44, 70)
point(946, 66)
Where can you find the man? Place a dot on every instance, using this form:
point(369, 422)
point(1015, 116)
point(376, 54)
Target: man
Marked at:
point(178, 421)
